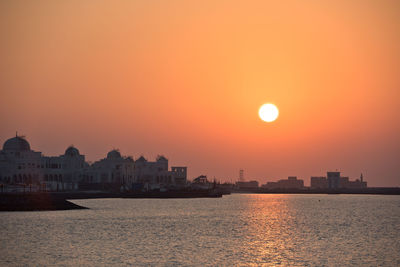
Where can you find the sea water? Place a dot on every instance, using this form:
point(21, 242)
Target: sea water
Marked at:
point(238, 229)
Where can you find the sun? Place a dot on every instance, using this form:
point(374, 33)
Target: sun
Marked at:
point(268, 112)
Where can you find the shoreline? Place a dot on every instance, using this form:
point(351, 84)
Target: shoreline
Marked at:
point(35, 202)
point(360, 191)
point(42, 201)
point(51, 201)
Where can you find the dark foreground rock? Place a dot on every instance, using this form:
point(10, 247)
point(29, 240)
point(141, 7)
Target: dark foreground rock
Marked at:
point(35, 202)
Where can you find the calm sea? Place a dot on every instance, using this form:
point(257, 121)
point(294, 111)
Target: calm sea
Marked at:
point(240, 229)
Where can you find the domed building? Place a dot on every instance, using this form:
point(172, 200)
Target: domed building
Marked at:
point(114, 154)
point(114, 172)
point(155, 174)
point(21, 167)
point(18, 163)
point(17, 143)
point(71, 151)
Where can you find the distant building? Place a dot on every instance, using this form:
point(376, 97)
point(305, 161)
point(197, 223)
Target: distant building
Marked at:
point(318, 182)
point(291, 183)
point(201, 182)
point(202, 179)
point(156, 174)
point(346, 183)
point(247, 185)
point(113, 172)
point(335, 181)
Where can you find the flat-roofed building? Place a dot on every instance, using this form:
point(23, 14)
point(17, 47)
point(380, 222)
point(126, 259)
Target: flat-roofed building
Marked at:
point(291, 183)
point(247, 184)
point(333, 180)
point(318, 182)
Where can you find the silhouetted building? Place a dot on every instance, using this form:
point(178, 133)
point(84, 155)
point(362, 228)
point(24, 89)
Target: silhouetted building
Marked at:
point(155, 175)
point(346, 183)
point(202, 179)
point(201, 182)
point(247, 185)
point(318, 182)
point(113, 172)
point(291, 183)
point(335, 181)
point(20, 167)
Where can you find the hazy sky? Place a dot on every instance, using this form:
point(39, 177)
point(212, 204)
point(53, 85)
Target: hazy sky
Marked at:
point(186, 78)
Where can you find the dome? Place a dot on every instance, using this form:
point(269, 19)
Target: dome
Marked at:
point(161, 158)
point(17, 143)
point(141, 159)
point(72, 151)
point(113, 154)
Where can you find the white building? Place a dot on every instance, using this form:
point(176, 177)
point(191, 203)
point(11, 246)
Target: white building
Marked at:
point(22, 167)
point(113, 172)
point(19, 165)
point(155, 175)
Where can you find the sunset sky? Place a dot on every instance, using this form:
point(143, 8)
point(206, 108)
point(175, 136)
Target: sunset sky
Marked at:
point(186, 79)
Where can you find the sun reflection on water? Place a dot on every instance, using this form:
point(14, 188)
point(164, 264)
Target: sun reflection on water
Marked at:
point(267, 220)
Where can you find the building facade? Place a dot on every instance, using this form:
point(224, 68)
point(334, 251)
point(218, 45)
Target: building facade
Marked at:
point(291, 183)
point(335, 181)
point(113, 172)
point(247, 184)
point(156, 175)
point(22, 167)
point(19, 165)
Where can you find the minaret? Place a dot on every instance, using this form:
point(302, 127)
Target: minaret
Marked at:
point(361, 178)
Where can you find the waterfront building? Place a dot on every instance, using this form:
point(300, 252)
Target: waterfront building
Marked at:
point(346, 183)
point(335, 181)
point(201, 182)
point(247, 184)
point(291, 183)
point(65, 171)
point(155, 174)
point(318, 182)
point(113, 172)
point(21, 167)
point(18, 163)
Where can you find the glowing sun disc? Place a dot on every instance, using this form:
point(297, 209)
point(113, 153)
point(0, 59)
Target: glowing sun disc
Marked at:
point(268, 112)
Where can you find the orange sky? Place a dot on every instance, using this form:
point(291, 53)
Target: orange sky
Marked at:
point(186, 79)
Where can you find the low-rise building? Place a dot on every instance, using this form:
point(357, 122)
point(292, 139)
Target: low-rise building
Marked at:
point(113, 172)
point(247, 184)
point(318, 182)
point(291, 183)
point(335, 181)
point(201, 182)
point(155, 174)
point(22, 167)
